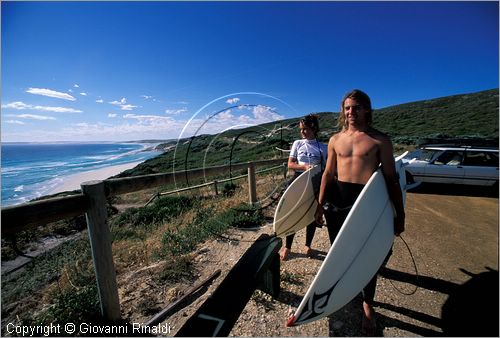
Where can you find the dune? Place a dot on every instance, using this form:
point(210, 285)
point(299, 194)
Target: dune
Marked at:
point(72, 182)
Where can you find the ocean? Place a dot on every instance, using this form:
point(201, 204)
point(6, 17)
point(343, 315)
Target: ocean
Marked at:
point(31, 170)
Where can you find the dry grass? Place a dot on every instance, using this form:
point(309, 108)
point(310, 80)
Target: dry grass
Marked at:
point(141, 270)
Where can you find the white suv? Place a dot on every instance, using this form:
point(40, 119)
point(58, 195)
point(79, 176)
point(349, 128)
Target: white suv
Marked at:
point(455, 165)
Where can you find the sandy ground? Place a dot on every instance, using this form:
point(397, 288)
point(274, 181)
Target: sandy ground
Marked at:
point(446, 284)
point(72, 182)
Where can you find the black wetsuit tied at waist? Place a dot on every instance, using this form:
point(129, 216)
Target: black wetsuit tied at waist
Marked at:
point(342, 196)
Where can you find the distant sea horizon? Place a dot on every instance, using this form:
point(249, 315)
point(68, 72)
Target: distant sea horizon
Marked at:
point(33, 169)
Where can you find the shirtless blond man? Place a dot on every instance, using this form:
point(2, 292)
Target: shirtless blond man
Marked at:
point(354, 154)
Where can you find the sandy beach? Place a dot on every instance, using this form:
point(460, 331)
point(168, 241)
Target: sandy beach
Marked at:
point(72, 182)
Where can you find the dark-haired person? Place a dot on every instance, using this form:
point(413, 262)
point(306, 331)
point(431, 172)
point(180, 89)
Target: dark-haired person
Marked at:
point(304, 154)
point(354, 154)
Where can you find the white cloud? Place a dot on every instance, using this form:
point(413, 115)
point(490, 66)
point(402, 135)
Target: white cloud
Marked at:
point(50, 93)
point(35, 117)
point(232, 100)
point(118, 103)
point(141, 126)
point(226, 115)
point(23, 106)
point(262, 113)
point(83, 94)
point(17, 105)
point(123, 104)
point(175, 111)
point(56, 109)
point(99, 101)
point(14, 122)
point(147, 97)
point(148, 119)
point(127, 107)
point(76, 86)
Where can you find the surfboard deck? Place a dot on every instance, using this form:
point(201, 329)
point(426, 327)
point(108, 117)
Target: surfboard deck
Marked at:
point(356, 254)
point(296, 208)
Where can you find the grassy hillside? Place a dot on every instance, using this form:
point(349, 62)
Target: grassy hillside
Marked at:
point(460, 116)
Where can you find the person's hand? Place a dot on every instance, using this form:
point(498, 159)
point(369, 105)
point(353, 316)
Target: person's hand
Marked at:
point(399, 225)
point(318, 215)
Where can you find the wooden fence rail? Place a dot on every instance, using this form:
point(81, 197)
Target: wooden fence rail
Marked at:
point(215, 183)
point(29, 215)
point(92, 202)
point(118, 186)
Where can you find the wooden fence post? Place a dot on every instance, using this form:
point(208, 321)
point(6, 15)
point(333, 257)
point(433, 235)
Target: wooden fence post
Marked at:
point(252, 186)
point(215, 187)
point(100, 241)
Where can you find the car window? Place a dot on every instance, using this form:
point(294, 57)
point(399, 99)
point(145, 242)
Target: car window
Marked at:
point(450, 157)
point(426, 154)
point(481, 158)
point(414, 154)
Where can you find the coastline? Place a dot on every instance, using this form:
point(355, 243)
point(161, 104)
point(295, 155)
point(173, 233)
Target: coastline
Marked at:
point(72, 182)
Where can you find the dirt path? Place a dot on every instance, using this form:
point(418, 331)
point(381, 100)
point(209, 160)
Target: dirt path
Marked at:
point(454, 242)
point(451, 237)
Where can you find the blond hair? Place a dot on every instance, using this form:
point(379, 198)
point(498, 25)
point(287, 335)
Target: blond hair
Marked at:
point(363, 99)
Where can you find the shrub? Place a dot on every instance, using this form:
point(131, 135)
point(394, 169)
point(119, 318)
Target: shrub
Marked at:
point(163, 209)
point(136, 222)
point(205, 224)
point(228, 189)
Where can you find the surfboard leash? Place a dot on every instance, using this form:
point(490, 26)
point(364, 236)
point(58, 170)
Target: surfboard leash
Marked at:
point(414, 266)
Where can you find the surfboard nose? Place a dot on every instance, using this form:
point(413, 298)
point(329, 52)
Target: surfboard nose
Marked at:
point(290, 321)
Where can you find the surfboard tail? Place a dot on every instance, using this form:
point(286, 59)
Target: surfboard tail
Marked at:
point(291, 321)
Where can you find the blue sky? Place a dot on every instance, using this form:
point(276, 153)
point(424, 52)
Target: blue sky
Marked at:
point(117, 71)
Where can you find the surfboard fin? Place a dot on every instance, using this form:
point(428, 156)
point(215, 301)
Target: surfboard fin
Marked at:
point(291, 321)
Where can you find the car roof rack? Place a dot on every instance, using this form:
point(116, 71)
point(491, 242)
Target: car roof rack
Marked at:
point(451, 145)
point(460, 143)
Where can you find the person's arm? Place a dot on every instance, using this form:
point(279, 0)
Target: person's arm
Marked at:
point(392, 182)
point(326, 179)
point(293, 164)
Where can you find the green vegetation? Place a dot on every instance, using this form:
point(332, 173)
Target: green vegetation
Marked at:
point(67, 279)
point(64, 278)
point(291, 278)
point(208, 224)
point(460, 116)
point(137, 223)
point(228, 189)
point(78, 306)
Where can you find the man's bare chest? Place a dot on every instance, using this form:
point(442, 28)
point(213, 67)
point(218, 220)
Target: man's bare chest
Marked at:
point(356, 147)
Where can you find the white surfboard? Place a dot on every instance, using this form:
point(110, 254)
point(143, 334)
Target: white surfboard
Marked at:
point(296, 208)
point(357, 253)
